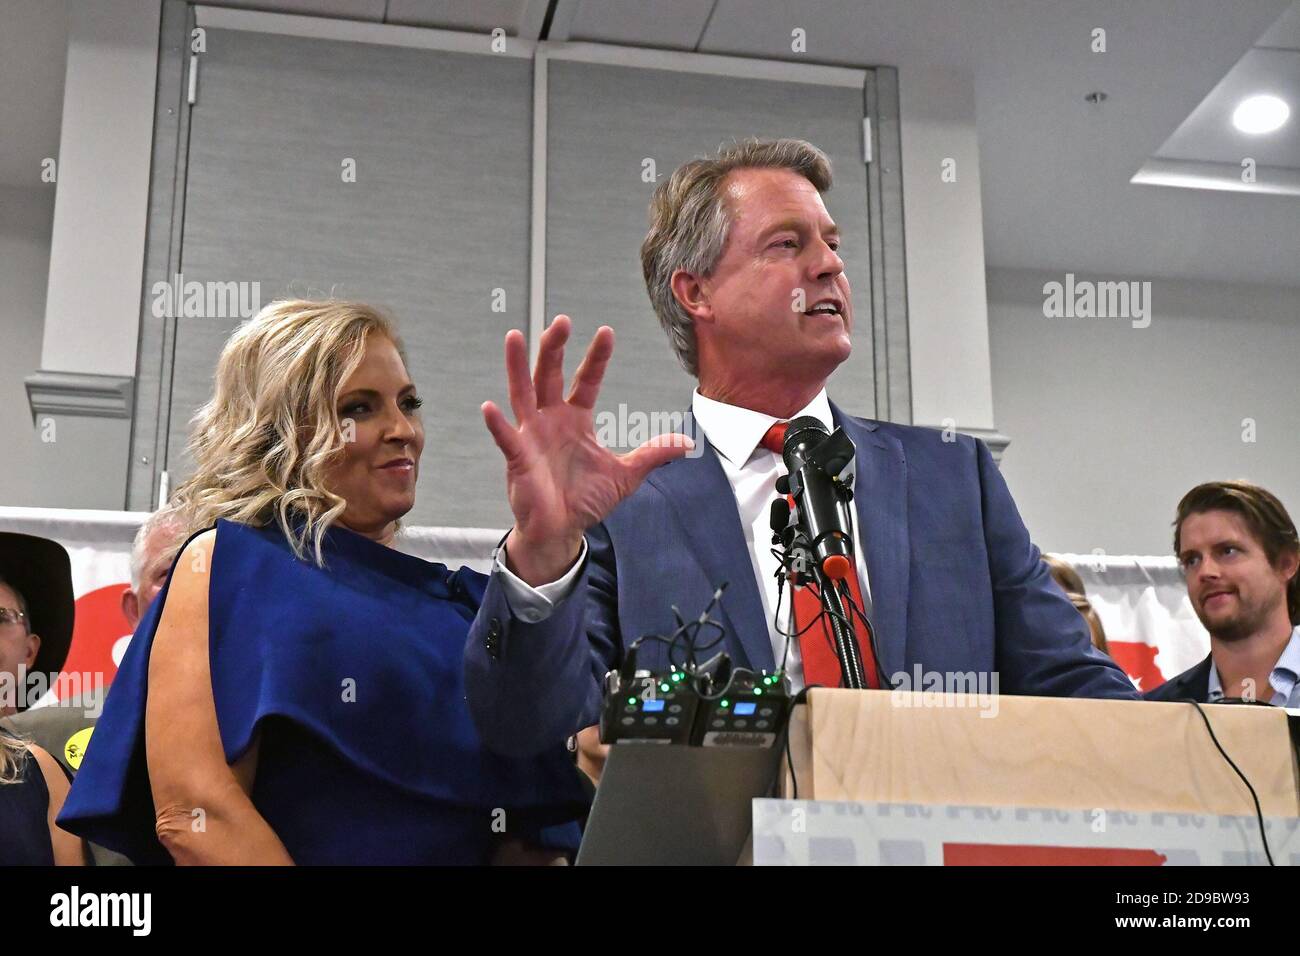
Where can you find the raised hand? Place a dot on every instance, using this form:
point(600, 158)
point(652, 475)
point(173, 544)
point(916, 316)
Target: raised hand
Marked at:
point(560, 480)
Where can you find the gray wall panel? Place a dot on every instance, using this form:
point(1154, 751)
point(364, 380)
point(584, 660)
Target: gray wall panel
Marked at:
point(436, 220)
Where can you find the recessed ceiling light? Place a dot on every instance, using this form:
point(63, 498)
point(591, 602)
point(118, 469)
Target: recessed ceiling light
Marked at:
point(1260, 114)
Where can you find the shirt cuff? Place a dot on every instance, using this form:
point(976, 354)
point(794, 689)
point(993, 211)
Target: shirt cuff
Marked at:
point(533, 604)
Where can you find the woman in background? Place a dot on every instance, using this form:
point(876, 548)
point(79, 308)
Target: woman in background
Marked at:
point(1072, 585)
point(32, 790)
point(294, 695)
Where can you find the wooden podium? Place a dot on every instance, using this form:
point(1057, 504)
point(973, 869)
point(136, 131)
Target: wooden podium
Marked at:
point(935, 748)
point(865, 761)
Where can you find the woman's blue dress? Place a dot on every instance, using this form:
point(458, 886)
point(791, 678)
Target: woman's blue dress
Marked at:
point(24, 817)
point(350, 676)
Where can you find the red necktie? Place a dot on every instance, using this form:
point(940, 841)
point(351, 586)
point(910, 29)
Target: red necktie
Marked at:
point(820, 665)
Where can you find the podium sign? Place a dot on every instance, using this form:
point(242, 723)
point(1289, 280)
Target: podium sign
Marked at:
point(826, 832)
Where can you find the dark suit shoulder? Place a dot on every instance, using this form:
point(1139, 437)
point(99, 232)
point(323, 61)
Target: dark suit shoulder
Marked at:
point(1193, 682)
point(920, 436)
point(927, 451)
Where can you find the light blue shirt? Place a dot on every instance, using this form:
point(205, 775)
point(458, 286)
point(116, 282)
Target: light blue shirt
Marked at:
point(1284, 678)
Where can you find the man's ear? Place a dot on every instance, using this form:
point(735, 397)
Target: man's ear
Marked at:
point(690, 293)
point(1289, 564)
point(33, 648)
point(131, 607)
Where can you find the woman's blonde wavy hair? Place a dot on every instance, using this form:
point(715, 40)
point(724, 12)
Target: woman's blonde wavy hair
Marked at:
point(263, 443)
point(14, 752)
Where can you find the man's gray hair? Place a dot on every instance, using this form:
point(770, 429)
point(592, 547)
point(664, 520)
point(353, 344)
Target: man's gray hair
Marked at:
point(164, 518)
point(689, 221)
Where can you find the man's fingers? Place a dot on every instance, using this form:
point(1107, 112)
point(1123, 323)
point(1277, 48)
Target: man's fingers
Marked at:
point(657, 451)
point(548, 380)
point(503, 433)
point(523, 400)
point(586, 381)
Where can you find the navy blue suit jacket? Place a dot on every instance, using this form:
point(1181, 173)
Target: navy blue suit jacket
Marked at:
point(1193, 682)
point(956, 586)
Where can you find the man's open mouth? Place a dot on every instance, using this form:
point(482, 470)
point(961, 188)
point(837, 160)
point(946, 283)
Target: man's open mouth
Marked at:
point(826, 307)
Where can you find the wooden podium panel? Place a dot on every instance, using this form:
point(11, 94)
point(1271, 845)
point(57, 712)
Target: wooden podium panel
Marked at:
point(916, 747)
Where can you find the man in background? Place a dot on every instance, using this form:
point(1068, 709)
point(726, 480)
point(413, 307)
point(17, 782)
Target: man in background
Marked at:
point(64, 729)
point(1239, 553)
point(36, 614)
point(152, 553)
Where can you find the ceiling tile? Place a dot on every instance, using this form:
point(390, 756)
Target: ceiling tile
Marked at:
point(470, 15)
point(667, 24)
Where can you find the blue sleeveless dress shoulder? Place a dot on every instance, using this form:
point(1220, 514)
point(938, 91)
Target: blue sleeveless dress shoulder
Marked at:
point(349, 677)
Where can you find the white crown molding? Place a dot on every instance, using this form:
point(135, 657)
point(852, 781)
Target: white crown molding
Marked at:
point(80, 394)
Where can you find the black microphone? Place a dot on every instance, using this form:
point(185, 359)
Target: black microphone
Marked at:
point(816, 460)
point(779, 518)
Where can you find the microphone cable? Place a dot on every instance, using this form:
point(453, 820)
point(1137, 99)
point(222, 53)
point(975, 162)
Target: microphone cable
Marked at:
point(1259, 813)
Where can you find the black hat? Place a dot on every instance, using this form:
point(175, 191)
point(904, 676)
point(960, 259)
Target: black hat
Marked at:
point(39, 570)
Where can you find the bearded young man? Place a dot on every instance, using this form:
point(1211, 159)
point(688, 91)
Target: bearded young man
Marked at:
point(1239, 553)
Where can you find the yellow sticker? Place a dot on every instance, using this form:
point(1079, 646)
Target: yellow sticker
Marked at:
point(76, 746)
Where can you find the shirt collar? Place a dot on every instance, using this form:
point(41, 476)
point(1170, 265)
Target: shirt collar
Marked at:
point(1290, 659)
point(1214, 691)
point(1285, 672)
point(735, 432)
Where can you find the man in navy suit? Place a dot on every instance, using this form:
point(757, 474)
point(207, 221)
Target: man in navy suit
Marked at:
point(742, 267)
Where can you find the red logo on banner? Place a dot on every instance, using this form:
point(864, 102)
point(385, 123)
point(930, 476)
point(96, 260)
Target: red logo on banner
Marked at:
point(1011, 854)
point(1138, 662)
point(99, 625)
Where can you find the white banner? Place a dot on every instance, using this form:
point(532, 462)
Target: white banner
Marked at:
point(1142, 601)
point(99, 548)
point(1151, 629)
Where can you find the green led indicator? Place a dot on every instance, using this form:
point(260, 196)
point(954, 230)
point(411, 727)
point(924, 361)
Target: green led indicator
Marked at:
point(757, 691)
point(677, 677)
point(725, 703)
point(664, 687)
point(631, 700)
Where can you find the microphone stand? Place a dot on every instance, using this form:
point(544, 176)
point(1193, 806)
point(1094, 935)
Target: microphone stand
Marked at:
point(796, 561)
point(846, 641)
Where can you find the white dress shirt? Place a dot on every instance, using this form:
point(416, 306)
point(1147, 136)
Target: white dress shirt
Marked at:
point(751, 470)
point(1283, 680)
point(533, 604)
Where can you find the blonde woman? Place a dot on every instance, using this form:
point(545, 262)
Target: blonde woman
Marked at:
point(304, 693)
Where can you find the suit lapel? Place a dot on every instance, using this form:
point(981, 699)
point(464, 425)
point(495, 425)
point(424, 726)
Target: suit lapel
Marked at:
point(701, 497)
point(880, 496)
point(1198, 680)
